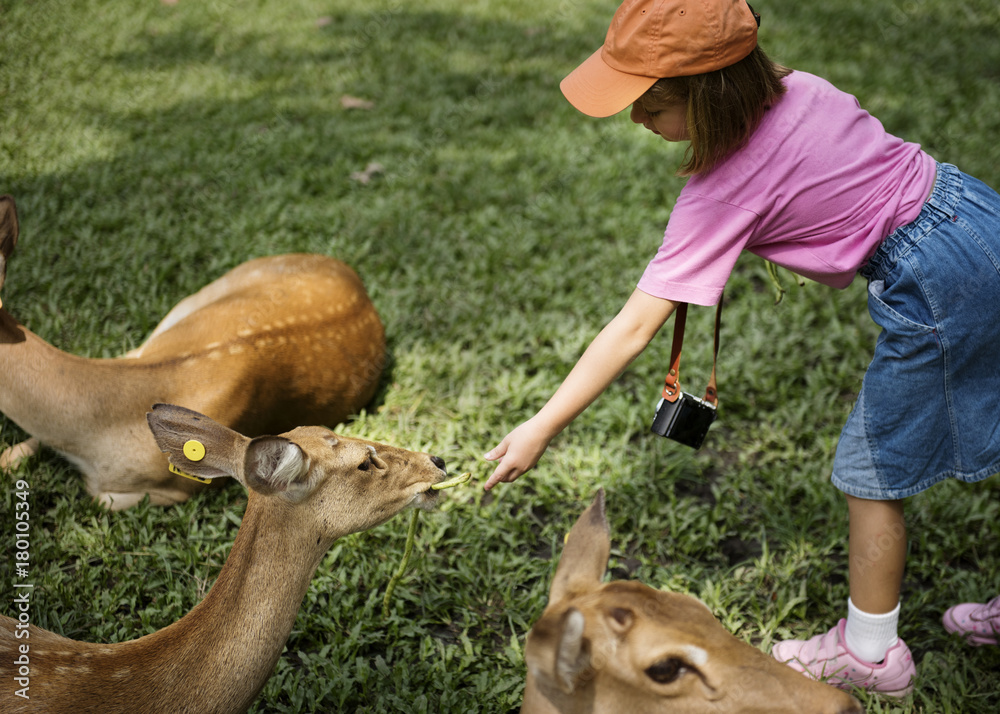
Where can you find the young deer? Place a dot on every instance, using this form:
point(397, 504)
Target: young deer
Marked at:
point(275, 342)
point(624, 647)
point(307, 488)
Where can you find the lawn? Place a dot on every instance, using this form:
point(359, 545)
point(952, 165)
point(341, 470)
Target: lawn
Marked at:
point(152, 146)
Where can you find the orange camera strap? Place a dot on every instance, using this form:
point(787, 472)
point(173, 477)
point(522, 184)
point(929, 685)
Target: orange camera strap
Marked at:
point(671, 388)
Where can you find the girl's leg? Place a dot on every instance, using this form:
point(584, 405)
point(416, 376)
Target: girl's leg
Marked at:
point(864, 650)
point(877, 558)
point(877, 552)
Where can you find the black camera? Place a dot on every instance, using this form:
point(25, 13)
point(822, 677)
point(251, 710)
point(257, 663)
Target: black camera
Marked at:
point(685, 420)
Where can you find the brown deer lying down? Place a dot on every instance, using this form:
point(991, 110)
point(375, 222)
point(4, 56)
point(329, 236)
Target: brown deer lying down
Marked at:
point(624, 648)
point(306, 489)
point(274, 343)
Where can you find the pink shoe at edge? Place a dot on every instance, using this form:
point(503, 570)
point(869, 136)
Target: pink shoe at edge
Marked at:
point(978, 623)
point(826, 658)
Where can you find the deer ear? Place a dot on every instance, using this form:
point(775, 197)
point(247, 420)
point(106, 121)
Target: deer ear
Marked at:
point(572, 657)
point(195, 445)
point(585, 557)
point(275, 464)
point(8, 233)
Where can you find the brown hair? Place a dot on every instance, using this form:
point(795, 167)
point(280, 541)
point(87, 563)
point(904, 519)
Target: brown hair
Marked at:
point(724, 106)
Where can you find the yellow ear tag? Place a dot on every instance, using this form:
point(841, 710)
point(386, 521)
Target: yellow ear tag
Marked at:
point(194, 450)
point(175, 470)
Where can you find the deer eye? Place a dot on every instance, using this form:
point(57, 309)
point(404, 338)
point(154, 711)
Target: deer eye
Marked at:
point(364, 465)
point(666, 671)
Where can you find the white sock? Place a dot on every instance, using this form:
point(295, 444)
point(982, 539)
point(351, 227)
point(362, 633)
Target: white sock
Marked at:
point(870, 636)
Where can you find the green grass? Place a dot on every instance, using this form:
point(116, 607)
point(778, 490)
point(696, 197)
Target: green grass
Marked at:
point(152, 147)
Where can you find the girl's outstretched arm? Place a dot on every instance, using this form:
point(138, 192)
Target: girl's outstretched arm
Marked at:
point(620, 342)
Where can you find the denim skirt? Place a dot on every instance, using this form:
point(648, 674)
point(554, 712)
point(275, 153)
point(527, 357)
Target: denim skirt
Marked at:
point(929, 406)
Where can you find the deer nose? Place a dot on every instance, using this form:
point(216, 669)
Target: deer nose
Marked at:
point(438, 461)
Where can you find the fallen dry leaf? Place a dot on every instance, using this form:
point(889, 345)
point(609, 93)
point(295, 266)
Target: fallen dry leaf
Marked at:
point(349, 102)
point(371, 170)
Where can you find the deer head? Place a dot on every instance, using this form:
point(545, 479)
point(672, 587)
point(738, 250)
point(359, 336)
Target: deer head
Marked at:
point(346, 485)
point(606, 648)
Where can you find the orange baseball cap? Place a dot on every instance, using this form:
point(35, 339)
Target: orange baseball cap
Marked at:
point(652, 39)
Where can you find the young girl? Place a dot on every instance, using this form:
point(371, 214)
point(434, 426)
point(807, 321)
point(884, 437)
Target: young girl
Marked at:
point(784, 165)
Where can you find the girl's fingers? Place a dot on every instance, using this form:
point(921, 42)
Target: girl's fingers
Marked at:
point(502, 474)
point(497, 451)
point(491, 482)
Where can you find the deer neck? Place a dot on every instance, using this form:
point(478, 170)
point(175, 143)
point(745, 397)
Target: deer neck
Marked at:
point(215, 659)
point(226, 648)
point(58, 397)
point(264, 579)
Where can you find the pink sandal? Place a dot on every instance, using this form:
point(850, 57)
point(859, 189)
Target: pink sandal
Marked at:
point(826, 658)
point(978, 623)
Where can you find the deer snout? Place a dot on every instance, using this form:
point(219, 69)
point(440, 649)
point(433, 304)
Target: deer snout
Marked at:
point(427, 496)
point(439, 463)
point(442, 474)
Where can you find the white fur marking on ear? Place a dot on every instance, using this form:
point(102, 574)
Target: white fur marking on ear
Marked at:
point(289, 466)
point(575, 622)
point(696, 655)
point(376, 461)
point(570, 658)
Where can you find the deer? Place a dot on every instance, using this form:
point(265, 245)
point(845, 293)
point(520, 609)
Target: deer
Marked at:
point(306, 488)
point(622, 646)
point(276, 342)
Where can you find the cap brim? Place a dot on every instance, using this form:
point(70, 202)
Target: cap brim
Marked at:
point(599, 90)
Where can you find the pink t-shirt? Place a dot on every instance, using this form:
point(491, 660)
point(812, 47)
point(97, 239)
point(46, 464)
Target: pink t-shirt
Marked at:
point(817, 188)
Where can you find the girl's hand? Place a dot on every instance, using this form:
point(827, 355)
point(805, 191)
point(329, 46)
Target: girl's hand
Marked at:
point(518, 453)
point(621, 341)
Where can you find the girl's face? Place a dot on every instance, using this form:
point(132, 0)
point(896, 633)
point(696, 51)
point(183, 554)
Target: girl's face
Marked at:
point(668, 121)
